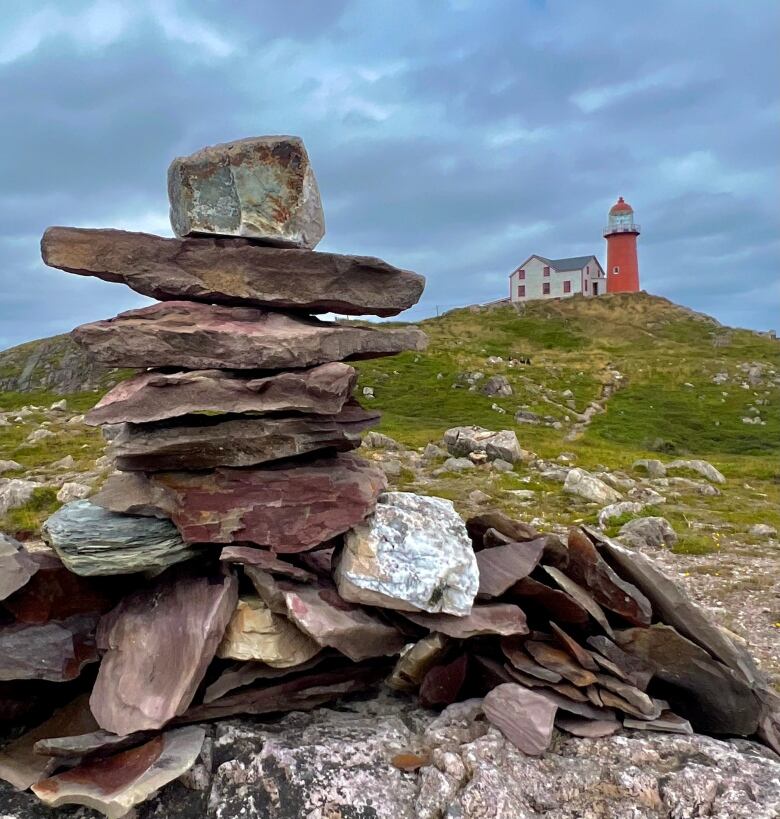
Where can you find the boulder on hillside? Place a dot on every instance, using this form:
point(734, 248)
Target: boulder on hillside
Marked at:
point(704, 468)
point(653, 467)
point(762, 530)
point(260, 187)
point(584, 485)
point(652, 532)
point(462, 441)
point(616, 510)
point(15, 492)
point(497, 385)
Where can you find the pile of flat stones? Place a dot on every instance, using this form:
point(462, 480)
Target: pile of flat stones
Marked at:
point(244, 560)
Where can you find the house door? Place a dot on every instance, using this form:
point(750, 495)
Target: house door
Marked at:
point(595, 288)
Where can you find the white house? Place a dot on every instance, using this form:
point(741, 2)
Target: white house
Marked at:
point(540, 278)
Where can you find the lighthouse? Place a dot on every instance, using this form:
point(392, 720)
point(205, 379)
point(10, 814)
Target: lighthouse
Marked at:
point(622, 264)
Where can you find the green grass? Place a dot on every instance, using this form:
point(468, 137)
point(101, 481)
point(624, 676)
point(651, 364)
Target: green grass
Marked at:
point(28, 518)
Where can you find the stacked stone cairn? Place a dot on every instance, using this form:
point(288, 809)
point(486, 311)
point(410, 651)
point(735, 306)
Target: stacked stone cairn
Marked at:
point(243, 560)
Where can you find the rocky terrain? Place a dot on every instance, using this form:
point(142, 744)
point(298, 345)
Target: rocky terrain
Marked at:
point(549, 432)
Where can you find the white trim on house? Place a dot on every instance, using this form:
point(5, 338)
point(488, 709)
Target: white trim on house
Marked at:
point(541, 278)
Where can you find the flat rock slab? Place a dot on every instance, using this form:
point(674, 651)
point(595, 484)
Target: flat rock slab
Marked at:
point(560, 662)
point(673, 606)
point(588, 728)
point(502, 566)
point(93, 743)
point(712, 696)
point(204, 336)
point(547, 602)
point(417, 661)
point(56, 593)
point(288, 509)
point(442, 683)
point(156, 396)
point(91, 540)
point(16, 566)
point(263, 187)
point(263, 559)
point(256, 633)
point(590, 570)
point(524, 717)
point(234, 272)
point(115, 784)
point(500, 619)
point(412, 554)
point(55, 651)
point(328, 619)
point(139, 685)
point(205, 442)
point(20, 762)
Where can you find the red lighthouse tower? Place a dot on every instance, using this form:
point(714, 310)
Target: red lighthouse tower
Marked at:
point(622, 263)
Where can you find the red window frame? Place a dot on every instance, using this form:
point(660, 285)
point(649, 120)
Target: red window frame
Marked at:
point(521, 274)
point(546, 271)
point(567, 287)
point(545, 288)
point(521, 291)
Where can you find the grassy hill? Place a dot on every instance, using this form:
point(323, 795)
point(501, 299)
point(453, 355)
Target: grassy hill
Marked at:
point(666, 399)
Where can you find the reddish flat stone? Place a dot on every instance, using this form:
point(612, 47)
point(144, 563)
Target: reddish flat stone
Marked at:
point(523, 716)
point(590, 570)
point(442, 684)
point(16, 566)
point(497, 618)
point(636, 698)
point(234, 271)
point(513, 650)
point(21, 765)
point(55, 593)
point(582, 709)
point(203, 336)
point(581, 596)
point(286, 508)
point(159, 642)
point(548, 602)
point(559, 661)
point(113, 785)
point(56, 651)
point(619, 663)
point(588, 728)
point(197, 442)
point(251, 556)
point(572, 647)
point(155, 396)
point(502, 566)
point(299, 693)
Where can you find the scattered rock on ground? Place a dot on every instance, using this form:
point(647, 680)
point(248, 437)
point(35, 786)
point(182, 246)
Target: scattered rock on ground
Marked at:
point(649, 532)
point(704, 468)
point(584, 485)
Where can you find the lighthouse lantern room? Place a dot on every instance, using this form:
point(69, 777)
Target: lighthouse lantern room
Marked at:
point(622, 263)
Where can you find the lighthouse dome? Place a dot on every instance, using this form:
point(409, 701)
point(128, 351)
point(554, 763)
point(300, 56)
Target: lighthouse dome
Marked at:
point(621, 206)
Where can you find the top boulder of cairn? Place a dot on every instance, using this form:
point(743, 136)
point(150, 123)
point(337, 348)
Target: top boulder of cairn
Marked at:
point(260, 188)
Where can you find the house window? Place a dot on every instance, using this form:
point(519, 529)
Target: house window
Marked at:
point(567, 287)
point(521, 274)
point(546, 288)
point(587, 270)
point(546, 271)
point(521, 291)
point(616, 269)
point(586, 285)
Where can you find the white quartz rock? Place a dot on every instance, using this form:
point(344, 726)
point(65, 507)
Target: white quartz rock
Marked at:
point(412, 554)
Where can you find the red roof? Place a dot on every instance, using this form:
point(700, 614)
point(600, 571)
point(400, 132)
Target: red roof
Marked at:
point(621, 206)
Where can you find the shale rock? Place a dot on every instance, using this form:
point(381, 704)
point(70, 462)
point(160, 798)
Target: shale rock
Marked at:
point(501, 619)
point(584, 485)
point(16, 566)
point(524, 717)
point(256, 633)
point(156, 396)
point(55, 651)
point(412, 554)
point(90, 540)
point(260, 187)
point(286, 508)
point(114, 785)
point(139, 685)
point(205, 442)
point(203, 336)
point(234, 272)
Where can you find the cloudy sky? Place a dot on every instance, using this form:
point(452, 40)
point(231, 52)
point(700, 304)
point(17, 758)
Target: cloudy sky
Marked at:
point(452, 137)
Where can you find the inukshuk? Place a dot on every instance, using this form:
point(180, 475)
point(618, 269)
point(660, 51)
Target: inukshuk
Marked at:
point(243, 560)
